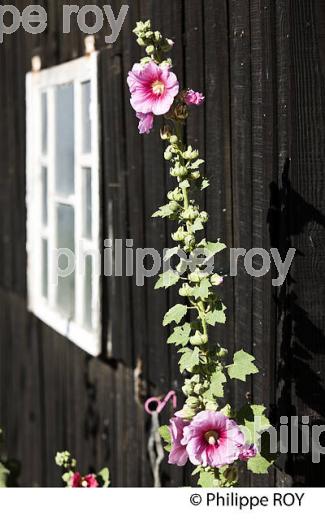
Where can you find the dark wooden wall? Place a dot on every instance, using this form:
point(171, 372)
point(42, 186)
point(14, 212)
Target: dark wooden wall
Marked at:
point(261, 64)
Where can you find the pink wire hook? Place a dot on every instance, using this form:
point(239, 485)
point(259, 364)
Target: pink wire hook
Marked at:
point(160, 403)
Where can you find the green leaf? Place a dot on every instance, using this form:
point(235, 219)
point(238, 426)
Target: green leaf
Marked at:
point(263, 460)
point(180, 336)
point(103, 477)
point(205, 184)
point(169, 253)
point(207, 479)
point(202, 290)
point(216, 316)
point(217, 381)
point(195, 165)
point(197, 225)
point(255, 422)
point(4, 473)
point(197, 470)
point(167, 279)
point(175, 314)
point(164, 211)
point(165, 434)
point(259, 464)
point(215, 247)
point(242, 366)
point(184, 184)
point(189, 360)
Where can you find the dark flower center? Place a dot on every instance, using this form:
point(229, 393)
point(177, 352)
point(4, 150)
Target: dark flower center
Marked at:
point(211, 437)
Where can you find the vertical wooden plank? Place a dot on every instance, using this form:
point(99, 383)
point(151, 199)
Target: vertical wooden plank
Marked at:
point(241, 118)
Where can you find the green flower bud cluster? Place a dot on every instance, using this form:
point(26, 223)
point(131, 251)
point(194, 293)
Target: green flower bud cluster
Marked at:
point(65, 460)
point(155, 44)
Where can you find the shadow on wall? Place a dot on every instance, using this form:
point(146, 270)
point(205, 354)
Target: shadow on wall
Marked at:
point(299, 339)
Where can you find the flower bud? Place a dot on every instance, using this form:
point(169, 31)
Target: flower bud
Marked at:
point(168, 155)
point(195, 175)
point(192, 402)
point(216, 280)
point(222, 353)
point(167, 64)
point(194, 154)
point(204, 216)
point(165, 132)
point(185, 390)
point(145, 60)
point(180, 112)
point(190, 213)
point(175, 195)
point(179, 235)
point(150, 49)
point(158, 36)
point(211, 406)
point(141, 42)
point(189, 241)
point(199, 388)
point(148, 35)
point(186, 291)
point(187, 154)
point(199, 339)
point(186, 413)
point(173, 139)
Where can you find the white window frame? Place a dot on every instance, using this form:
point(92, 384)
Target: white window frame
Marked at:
point(77, 71)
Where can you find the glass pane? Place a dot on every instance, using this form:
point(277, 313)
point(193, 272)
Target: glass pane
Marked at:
point(64, 133)
point(44, 195)
point(65, 240)
point(44, 122)
point(88, 292)
point(86, 122)
point(87, 217)
point(45, 268)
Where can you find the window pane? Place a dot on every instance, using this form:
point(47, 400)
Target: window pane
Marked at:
point(44, 195)
point(86, 122)
point(87, 217)
point(45, 268)
point(44, 122)
point(64, 133)
point(88, 292)
point(65, 240)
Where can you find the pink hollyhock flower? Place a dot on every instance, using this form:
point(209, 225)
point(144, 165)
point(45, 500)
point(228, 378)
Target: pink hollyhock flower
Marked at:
point(153, 88)
point(77, 481)
point(146, 122)
point(248, 452)
point(90, 480)
point(178, 454)
point(212, 439)
point(194, 98)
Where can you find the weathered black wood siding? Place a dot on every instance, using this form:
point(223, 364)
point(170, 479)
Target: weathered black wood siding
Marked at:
point(261, 64)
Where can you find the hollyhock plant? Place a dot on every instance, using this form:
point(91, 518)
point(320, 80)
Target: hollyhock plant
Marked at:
point(212, 439)
point(74, 479)
point(208, 432)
